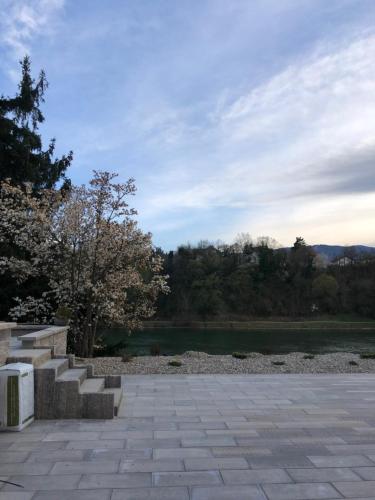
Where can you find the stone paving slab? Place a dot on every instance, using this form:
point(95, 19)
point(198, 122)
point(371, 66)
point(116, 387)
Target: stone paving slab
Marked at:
point(205, 437)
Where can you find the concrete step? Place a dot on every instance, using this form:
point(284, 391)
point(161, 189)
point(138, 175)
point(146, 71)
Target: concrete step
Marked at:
point(63, 392)
point(117, 393)
point(36, 357)
point(92, 385)
point(73, 375)
point(59, 365)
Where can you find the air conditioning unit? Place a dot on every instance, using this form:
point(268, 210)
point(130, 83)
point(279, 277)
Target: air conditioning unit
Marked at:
point(16, 396)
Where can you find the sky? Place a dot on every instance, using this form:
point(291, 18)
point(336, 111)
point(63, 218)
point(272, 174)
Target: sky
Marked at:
point(233, 116)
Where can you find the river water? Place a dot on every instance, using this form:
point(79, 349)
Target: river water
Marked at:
point(221, 341)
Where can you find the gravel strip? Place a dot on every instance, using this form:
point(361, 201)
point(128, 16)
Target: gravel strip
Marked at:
point(197, 362)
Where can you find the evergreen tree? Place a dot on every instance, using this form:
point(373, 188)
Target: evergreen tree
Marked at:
point(22, 157)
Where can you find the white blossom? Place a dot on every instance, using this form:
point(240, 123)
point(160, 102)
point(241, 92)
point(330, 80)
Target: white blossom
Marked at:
point(98, 263)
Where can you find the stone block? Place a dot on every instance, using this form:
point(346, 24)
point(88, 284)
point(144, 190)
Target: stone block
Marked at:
point(227, 493)
point(302, 491)
point(186, 478)
point(151, 494)
point(263, 476)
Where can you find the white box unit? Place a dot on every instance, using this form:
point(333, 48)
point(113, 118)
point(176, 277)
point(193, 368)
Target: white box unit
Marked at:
point(16, 396)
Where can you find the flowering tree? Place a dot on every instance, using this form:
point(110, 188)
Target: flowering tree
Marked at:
point(99, 265)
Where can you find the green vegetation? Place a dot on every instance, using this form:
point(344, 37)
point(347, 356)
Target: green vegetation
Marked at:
point(23, 160)
point(22, 157)
point(248, 280)
point(368, 355)
point(239, 355)
point(175, 362)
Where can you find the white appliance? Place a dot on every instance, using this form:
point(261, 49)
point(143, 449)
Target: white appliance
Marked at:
point(16, 396)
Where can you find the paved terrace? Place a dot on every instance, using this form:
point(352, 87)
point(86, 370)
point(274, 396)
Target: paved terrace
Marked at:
point(206, 438)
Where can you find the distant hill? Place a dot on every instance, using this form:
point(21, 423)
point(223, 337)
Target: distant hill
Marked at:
point(333, 251)
point(330, 252)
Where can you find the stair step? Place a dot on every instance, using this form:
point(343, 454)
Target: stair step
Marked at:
point(34, 357)
point(118, 393)
point(72, 375)
point(92, 385)
point(58, 364)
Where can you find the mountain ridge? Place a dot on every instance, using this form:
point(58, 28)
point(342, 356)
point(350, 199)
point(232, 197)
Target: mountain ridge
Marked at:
point(334, 251)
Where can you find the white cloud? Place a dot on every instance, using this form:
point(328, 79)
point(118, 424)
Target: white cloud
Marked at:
point(22, 20)
point(277, 146)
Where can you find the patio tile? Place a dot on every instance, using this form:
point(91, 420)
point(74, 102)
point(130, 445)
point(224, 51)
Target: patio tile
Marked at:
point(227, 493)
point(186, 478)
point(324, 475)
point(16, 495)
point(102, 444)
point(151, 465)
point(61, 468)
point(341, 461)
point(133, 480)
point(305, 491)
point(43, 482)
point(180, 493)
point(182, 453)
point(72, 436)
point(73, 495)
point(55, 456)
point(260, 476)
point(12, 457)
point(24, 468)
point(195, 464)
point(356, 489)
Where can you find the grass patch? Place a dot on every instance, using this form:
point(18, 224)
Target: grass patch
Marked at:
point(368, 355)
point(309, 356)
point(278, 363)
point(175, 362)
point(353, 363)
point(239, 355)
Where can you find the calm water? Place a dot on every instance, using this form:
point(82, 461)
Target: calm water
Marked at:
point(179, 340)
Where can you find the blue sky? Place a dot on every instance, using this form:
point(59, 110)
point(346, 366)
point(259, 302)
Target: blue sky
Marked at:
point(233, 116)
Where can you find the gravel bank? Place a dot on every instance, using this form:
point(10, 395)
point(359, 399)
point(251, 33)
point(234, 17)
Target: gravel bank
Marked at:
point(196, 362)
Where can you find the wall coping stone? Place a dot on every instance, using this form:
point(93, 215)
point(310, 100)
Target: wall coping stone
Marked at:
point(44, 333)
point(6, 326)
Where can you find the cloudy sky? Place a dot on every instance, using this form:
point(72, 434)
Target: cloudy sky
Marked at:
point(233, 116)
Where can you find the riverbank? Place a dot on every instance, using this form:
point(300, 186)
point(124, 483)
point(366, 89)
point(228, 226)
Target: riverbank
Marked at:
point(277, 324)
point(196, 362)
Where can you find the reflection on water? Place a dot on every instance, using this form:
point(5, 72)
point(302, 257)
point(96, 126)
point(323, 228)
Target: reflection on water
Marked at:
point(179, 340)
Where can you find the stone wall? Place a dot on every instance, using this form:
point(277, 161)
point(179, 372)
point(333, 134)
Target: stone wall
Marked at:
point(54, 336)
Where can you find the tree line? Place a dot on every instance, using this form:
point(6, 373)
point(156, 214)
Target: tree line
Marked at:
point(256, 279)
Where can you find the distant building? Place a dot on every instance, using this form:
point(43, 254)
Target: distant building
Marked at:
point(254, 259)
point(343, 261)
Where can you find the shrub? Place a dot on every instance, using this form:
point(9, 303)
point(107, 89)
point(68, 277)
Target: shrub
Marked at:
point(102, 348)
point(368, 355)
point(175, 362)
point(278, 363)
point(239, 355)
point(155, 350)
point(309, 356)
point(353, 363)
